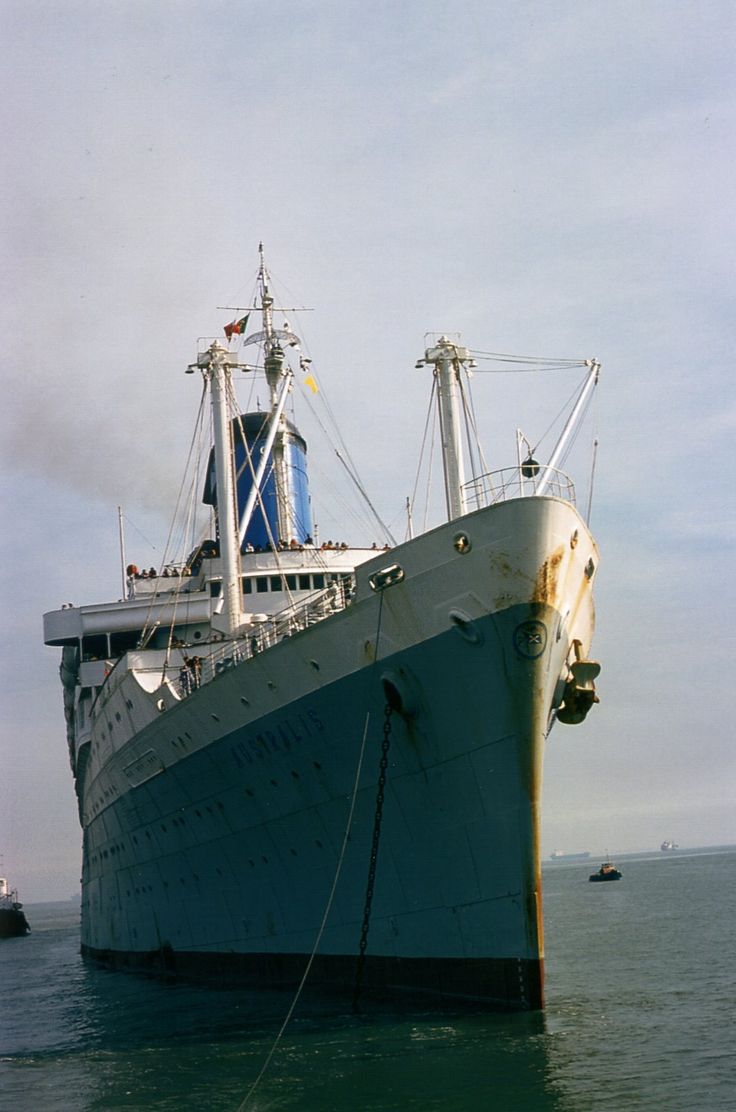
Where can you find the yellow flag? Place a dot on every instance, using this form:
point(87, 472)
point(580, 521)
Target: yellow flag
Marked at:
point(309, 381)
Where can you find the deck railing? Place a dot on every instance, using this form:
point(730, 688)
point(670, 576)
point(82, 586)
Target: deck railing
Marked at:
point(263, 634)
point(510, 482)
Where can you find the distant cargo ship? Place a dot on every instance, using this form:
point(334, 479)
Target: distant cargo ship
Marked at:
point(559, 855)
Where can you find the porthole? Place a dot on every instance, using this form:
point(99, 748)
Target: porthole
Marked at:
point(462, 543)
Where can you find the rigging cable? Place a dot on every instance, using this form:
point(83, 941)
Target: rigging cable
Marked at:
point(273, 541)
point(435, 425)
point(147, 632)
point(328, 907)
point(576, 431)
point(189, 527)
point(330, 899)
point(336, 441)
point(563, 408)
point(430, 415)
point(526, 362)
point(592, 479)
point(362, 491)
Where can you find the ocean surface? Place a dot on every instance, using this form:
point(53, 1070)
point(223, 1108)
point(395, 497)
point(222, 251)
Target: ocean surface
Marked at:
point(641, 1000)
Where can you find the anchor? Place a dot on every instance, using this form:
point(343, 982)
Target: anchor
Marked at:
point(579, 692)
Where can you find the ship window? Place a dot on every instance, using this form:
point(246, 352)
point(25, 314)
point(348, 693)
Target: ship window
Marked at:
point(215, 588)
point(247, 585)
point(276, 583)
point(291, 582)
point(318, 581)
point(304, 583)
point(94, 646)
point(123, 642)
point(262, 585)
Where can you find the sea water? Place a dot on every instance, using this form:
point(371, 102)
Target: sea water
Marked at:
point(641, 996)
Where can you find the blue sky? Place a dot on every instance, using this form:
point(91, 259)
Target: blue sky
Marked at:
point(547, 178)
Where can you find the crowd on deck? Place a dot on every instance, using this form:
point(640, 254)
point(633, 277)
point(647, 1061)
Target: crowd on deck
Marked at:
point(190, 674)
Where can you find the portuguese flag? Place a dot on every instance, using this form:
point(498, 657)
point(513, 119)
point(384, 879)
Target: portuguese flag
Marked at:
point(237, 328)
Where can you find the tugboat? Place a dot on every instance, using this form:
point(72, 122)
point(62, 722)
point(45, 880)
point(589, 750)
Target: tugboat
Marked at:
point(607, 871)
point(13, 923)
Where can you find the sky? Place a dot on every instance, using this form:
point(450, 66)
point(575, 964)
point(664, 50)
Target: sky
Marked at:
point(543, 178)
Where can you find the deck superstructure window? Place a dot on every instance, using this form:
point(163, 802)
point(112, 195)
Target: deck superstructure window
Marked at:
point(94, 646)
point(123, 642)
point(247, 585)
point(262, 585)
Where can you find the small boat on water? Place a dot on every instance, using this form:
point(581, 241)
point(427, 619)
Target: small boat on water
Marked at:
point(13, 923)
point(668, 845)
point(607, 871)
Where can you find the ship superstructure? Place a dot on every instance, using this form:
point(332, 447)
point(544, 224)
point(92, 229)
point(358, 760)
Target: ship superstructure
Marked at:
point(287, 751)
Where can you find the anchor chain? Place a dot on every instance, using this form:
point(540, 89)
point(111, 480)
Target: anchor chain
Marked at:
point(377, 819)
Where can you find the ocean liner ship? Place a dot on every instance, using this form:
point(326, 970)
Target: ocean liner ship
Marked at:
point(287, 752)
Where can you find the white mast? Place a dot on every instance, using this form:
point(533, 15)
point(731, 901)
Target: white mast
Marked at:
point(215, 364)
point(258, 476)
point(278, 377)
point(594, 368)
point(274, 360)
point(447, 359)
point(121, 538)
